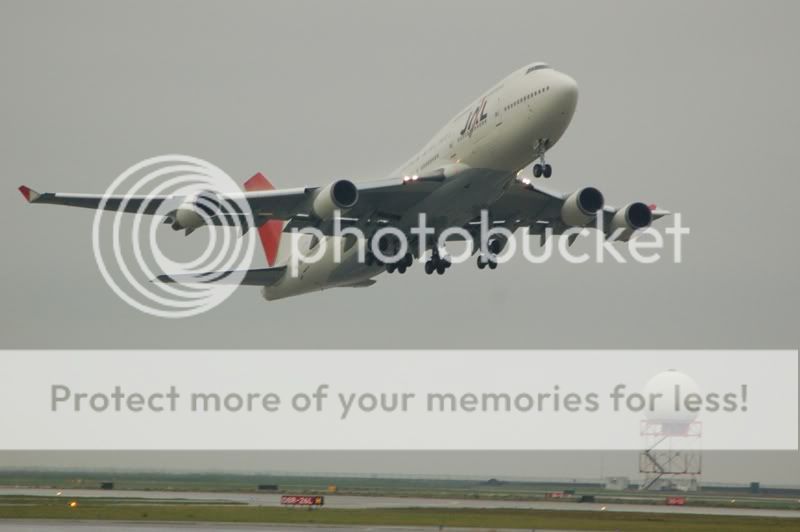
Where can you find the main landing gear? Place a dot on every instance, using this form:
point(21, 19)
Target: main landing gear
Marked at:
point(389, 248)
point(401, 265)
point(489, 259)
point(484, 261)
point(437, 264)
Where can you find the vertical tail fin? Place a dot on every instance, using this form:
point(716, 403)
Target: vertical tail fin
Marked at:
point(269, 232)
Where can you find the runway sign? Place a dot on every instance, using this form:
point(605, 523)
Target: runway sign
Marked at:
point(302, 500)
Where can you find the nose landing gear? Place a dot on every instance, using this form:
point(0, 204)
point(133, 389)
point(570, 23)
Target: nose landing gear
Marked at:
point(542, 168)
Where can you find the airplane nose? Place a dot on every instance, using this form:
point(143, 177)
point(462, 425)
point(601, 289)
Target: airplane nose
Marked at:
point(567, 90)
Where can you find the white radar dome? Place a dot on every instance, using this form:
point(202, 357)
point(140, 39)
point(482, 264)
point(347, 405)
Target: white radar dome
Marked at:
point(674, 420)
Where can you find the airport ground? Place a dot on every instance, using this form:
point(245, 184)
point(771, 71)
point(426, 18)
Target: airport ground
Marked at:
point(406, 504)
point(731, 497)
point(401, 518)
point(123, 526)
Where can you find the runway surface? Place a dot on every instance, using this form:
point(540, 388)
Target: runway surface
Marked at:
point(117, 526)
point(356, 502)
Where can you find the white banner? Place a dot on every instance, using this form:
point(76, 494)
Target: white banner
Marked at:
point(384, 399)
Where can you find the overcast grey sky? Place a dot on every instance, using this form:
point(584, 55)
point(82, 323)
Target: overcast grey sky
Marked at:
point(690, 105)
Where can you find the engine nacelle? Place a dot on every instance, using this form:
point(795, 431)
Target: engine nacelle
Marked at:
point(187, 218)
point(340, 195)
point(195, 210)
point(632, 217)
point(582, 206)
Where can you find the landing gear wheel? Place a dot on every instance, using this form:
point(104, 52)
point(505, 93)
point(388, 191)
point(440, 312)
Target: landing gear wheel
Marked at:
point(401, 268)
point(547, 171)
point(492, 264)
point(482, 263)
point(429, 267)
point(440, 268)
point(409, 260)
point(537, 170)
point(390, 267)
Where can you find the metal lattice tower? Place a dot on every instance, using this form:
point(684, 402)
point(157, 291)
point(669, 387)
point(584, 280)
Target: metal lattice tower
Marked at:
point(672, 456)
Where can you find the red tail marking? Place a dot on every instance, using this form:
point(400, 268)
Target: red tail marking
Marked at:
point(269, 232)
point(652, 206)
point(26, 192)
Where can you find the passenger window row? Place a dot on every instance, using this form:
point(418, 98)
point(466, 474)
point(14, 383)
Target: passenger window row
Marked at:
point(429, 161)
point(526, 97)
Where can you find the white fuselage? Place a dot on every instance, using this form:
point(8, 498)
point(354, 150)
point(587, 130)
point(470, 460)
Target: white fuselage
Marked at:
point(501, 132)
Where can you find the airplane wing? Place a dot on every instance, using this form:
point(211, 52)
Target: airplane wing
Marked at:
point(94, 201)
point(384, 199)
point(523, 204)
point(538, 208)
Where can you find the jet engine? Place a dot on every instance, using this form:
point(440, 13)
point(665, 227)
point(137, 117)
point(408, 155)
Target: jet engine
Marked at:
point(582, 206)
point(340, 195)
point(194, 211)
point(632, 217)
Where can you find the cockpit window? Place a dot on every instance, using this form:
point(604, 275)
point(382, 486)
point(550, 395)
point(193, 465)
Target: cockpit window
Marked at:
point(539, 66)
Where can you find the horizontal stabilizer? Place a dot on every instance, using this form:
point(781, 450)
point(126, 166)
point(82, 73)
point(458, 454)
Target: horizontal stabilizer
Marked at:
point(361, 284)
point(260, 277)
point(302, 221)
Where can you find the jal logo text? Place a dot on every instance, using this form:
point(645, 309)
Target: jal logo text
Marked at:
point(475, 118)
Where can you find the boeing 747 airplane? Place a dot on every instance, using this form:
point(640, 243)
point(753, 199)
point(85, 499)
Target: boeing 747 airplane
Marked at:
point(471, 165)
